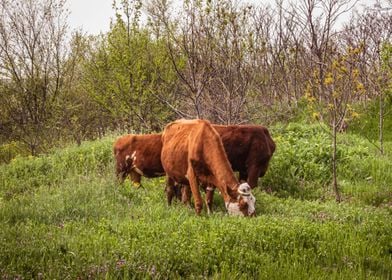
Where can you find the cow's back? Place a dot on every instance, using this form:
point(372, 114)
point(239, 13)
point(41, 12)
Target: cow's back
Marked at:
point(247, 145)
point(193, 141)
point(140, 152)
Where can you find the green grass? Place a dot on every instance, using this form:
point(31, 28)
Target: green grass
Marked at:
point(62, 216)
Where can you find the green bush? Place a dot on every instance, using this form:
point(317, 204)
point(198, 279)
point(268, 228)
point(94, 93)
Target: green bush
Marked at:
point(24, 174)
point(367, 125)
point(12, 149)
point(301, 166)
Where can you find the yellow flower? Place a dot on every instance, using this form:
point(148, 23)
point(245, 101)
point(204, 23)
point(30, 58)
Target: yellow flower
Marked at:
point(311, 99)
point(357, 50)
point(330, 106)
point(316, 115)
point(360, 87)
point(335, 64)
point(328, 79)
point(354, 115)
point(355, 73)
point(343, 69)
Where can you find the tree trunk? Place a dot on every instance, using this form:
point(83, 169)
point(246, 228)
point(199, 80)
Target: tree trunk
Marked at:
point(381, 123)
point(334, 163)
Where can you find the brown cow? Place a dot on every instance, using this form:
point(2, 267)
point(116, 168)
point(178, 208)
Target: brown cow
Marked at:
point(193, 153)
point(138, 155)
point(249, 149)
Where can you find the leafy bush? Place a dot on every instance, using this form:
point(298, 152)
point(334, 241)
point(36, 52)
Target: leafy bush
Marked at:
point(367, 125)
point(11, 150)
point(301, 165)
point(24, 174)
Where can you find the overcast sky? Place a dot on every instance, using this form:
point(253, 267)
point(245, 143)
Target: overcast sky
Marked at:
point(93, 16)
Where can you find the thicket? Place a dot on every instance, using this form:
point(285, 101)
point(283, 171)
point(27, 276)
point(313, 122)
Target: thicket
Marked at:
point(226, 61)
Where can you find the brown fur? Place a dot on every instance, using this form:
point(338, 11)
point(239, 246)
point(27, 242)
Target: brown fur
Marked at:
point(193, 153)
point(146, 149)
point(249, 149)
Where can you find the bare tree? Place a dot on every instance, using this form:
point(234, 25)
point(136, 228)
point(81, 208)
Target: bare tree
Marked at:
point(373, 31)
point(32, 49)
point(209, 46)
point(318, 19)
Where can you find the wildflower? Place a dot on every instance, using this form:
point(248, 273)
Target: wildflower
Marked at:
point(311, 99)
point(354, 115)
point(360, 87)
point(343, 69)
point(335, 64)
point(355, 73)
point(335, 94)
point(328, 80)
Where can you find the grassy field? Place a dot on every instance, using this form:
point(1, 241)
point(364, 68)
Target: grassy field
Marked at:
point(62, 216)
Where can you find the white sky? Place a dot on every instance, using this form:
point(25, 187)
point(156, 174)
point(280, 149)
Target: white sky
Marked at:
point(93, 16)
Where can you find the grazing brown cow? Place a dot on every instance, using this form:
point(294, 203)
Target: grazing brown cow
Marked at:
point(193, 153)
point(138, 155)
point(249, 149)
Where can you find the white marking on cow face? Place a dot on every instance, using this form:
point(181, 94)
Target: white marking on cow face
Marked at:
point(133, 156)
point(246, 195)
point(245, 192)
point(244, 189)
point(233, 209)
point(251, 201)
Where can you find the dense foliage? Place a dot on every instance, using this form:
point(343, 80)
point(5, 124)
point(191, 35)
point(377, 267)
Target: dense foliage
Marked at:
point(226, 61)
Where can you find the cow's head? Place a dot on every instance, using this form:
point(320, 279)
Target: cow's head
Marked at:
point(245, 203)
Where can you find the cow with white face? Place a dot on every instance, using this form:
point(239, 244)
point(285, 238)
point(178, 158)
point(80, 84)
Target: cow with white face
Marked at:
point(193, 154)
point(246, 202)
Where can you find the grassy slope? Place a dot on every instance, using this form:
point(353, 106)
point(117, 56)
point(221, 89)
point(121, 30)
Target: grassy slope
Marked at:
point(62, 216)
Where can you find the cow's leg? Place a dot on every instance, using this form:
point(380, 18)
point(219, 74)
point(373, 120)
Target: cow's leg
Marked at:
point(169, 190)
point(195, 189)
point(253, 175)
point(135, 178)
point(242, 176)
point(177, 191)
point(186, 194)
point(209, 198)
